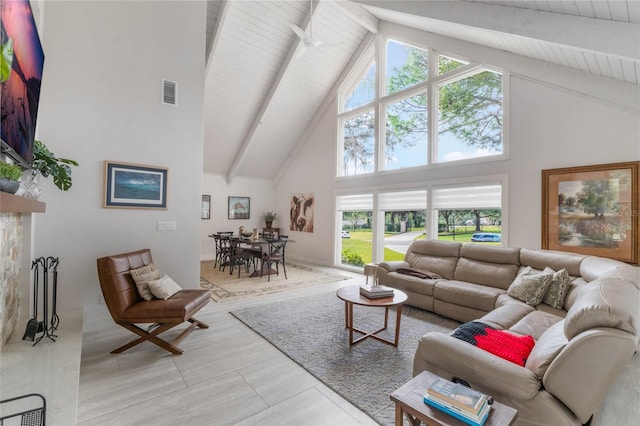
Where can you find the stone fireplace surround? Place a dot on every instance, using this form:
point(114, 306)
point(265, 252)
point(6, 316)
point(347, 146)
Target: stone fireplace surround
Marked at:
point(49, 368)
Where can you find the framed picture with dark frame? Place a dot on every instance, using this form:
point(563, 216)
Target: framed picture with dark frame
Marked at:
point(135, 186)
point(205, 211)
point(239, 208)
point(592, 210)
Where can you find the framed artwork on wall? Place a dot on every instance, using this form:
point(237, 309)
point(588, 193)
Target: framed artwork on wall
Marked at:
point(592, 210)
point(301, 218)
point(135, 186)
point(239, 208)
point(205, 211)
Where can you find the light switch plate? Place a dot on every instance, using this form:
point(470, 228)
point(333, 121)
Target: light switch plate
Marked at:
point(167, 225)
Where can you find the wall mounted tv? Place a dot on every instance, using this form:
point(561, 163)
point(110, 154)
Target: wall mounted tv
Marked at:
point(21, 81)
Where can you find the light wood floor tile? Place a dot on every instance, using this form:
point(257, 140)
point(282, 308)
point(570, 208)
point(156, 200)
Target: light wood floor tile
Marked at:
point(278, 378)
point(222, 401)
point(310, 408)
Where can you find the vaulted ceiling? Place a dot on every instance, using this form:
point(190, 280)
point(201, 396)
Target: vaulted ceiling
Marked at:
point(264, 90)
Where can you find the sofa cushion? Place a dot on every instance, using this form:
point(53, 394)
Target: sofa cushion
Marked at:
point(507, 315)
point(535, 323)
point(437, 256)
point(557, 291)
point(556, 260)
point(409, 283)
point(472, 295)
point(604, 302)
point(530, 288)
point(547, 347)
point(491, 266)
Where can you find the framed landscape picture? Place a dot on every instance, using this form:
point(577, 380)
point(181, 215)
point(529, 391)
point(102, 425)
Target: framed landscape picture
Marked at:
point(135, 186)
point(592, 210)
point(239, 208)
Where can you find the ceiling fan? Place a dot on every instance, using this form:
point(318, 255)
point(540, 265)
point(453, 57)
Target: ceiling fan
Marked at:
point(308, 40)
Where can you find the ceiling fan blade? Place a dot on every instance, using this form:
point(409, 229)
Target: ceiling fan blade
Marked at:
point(299, 32)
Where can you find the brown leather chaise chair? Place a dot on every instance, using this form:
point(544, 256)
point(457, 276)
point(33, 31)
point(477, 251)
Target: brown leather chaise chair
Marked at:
point(127, 308)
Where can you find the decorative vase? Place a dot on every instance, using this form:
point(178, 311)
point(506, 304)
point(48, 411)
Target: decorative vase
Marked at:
point(29, 187)
point(10, 186)
point(268, 223)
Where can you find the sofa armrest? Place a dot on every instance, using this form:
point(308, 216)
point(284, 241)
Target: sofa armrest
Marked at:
point(393, 265)
point(449, 357)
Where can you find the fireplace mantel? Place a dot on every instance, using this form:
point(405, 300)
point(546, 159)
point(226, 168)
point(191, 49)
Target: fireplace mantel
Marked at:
point(10, 203)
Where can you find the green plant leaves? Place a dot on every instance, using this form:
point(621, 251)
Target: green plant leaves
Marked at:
point(6, 59)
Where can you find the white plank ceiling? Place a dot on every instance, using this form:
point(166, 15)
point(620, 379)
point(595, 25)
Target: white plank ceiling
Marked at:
point(262, 100)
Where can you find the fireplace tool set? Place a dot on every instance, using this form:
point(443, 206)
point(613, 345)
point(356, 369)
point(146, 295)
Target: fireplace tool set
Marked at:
point(47, 326)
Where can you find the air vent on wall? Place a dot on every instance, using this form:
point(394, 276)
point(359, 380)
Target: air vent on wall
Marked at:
point(169, 92)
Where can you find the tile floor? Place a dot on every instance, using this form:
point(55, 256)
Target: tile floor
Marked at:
point(228, 375)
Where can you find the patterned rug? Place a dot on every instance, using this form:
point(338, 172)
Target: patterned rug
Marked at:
point(226, 287)
point(365, 374)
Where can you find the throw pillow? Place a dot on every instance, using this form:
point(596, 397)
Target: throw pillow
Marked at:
point(530, 288)
point(558, 289)
point(164, 288)
point(141, 276)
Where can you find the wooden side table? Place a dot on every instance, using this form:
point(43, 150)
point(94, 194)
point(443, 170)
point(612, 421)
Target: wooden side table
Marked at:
point(409, 400)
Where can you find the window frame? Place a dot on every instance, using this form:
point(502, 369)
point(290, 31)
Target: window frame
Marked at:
point(377, 53)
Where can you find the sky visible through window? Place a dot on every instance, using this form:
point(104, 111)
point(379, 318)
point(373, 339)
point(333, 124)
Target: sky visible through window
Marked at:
point(449, 147)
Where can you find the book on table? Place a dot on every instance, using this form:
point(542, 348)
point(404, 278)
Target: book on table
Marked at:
point(463, 397)
point(376, 291)
point(474, 420)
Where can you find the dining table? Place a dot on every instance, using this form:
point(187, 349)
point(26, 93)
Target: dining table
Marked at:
point(255, 243)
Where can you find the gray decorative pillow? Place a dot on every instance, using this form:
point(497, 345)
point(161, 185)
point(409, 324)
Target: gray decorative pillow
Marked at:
point(558, 289)
point(142, 276)
point(530, 288)
point(164, 288)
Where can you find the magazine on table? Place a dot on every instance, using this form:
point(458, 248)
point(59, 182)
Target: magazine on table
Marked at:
point(376, 291)
point(457, 395)
point(474, 420)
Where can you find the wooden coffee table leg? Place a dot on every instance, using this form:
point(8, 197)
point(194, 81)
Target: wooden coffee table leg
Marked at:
point(346, 314)
point(350, 323)
point(398, 316)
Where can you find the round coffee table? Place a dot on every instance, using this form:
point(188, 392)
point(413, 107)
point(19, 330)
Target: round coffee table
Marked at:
point(351, 296)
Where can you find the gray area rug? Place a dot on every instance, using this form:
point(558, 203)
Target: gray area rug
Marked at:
point(311, 331)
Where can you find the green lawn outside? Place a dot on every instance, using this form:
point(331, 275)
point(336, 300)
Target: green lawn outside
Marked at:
point(360, 243)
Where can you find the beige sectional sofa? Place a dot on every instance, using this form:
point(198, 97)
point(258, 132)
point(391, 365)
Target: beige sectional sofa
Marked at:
point(581, 345)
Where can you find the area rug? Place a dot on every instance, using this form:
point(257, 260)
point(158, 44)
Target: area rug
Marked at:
point(311, 331)
point(226, 287)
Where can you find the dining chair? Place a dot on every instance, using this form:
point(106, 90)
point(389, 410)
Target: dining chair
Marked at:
point(275, 254)
point(218, 248)
point(225, 251)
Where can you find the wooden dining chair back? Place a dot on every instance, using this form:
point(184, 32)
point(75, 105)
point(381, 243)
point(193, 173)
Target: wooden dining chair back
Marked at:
point(275, 254)
point(128, 308)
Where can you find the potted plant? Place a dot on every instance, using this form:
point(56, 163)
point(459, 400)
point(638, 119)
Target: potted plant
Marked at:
point(269, 216)
point(45, 163)
point(9, 177)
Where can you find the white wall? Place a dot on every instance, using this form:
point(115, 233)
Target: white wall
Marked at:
point(557, 118)
point(100, 100)
point(262, 198)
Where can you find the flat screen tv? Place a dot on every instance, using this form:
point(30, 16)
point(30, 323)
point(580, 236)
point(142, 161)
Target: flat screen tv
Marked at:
point(21, 87)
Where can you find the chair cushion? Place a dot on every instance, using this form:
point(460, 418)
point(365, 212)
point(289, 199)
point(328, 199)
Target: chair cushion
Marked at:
point(179, 307)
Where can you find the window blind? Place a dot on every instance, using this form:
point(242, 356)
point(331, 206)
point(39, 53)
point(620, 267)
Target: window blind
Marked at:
point(403, 200)
point(355, 202)
point(468, 197)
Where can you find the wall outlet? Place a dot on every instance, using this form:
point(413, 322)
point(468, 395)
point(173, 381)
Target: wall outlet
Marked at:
point(169, 225)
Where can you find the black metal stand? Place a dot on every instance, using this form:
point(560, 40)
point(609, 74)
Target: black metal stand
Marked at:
point(45, 327)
